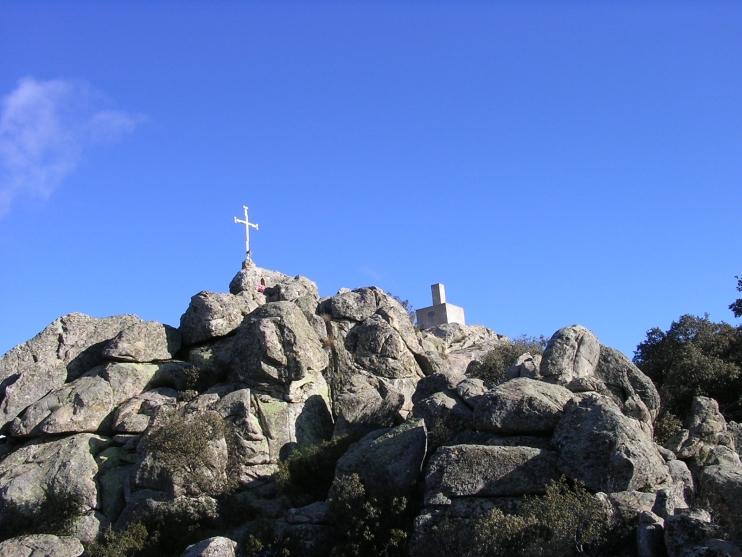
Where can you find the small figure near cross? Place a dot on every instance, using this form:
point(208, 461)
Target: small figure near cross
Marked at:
point(248, 224)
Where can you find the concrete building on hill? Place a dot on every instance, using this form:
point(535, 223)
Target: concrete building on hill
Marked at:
point(440, 312)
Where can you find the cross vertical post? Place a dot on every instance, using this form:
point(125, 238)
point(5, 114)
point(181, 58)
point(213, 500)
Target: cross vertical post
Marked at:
point(248, 225)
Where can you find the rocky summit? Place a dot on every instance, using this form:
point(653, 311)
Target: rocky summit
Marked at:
point(275, 422)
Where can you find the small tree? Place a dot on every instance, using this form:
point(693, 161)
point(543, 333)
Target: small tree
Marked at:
point(695, 356)
point(736, 305)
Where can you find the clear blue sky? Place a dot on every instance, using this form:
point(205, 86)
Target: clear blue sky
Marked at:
point(552, 163)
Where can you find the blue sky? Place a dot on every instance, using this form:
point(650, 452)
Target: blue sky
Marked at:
point(552, 163)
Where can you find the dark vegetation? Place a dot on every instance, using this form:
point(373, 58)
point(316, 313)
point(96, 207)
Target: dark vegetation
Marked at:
point(307, 473)
point(180, 442)
point(361, 524)
point(366, 524)
point(566, 520)
point(494, 366)
point(695, 356)
point(120, 544)
point(55, 515)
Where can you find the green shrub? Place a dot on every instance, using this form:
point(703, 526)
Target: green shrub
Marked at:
point(180, 443)
point(176, 524)
point(261, 540)
point(367, 526)
point(308, 471)
point(495, 364)
point(123, 543)
point(566, 520)
point(571, 519)
point(666, 426)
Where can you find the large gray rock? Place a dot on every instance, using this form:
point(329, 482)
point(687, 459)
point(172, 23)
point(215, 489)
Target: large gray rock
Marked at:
point(606, 450)
point(380, 348)
point(364, 403)
point(84, 404)
point(212, 315)
point(687, 535)
point(65, 467)
point(212, 547)
point(41, 545)
point(706, 434)
point(457, 346)
point(146, 341)
point(298, 289)
point(721, 492)
point(135, 415)
point(387, 461)
point(64, 350)
point(356, 305)
point(445, 415)
point(276, 345)
point(735, 430)
point(572, 353)
point(521, 406)
point(650, 535)
point(527, 365)
point(487, 471)
point(252, 281)
point(303, 419)
point(627, 386)
point(375, 359)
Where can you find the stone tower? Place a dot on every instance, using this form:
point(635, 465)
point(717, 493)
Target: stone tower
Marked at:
point(440, 312)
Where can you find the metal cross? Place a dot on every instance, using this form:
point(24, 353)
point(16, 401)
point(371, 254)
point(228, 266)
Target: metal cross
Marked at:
point(247, 224)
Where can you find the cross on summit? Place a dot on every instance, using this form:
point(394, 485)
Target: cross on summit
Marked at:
point(248, 225)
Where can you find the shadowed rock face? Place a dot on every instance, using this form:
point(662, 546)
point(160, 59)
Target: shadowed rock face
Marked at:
point(271, 368)
point(387, 460)
point(487, 471)
point(606, 450)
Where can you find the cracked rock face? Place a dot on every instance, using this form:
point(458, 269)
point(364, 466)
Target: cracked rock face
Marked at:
point(147, 341)
point(68, 347)
point(605, 449)
point(65, 466)
point(572, 353)
point(276, 345)
point(38, 545)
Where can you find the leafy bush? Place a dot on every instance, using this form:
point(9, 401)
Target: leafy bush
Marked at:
point(695, 356)
point(367, 526)
point(496, 362)
point(123, 543)
point(261, 540)
point(666, 426)
point(308, 471)
point(180, 442)
point(178, 523)
point(566, 520)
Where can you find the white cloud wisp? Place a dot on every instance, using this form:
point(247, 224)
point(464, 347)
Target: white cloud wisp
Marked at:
point(45, 129)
